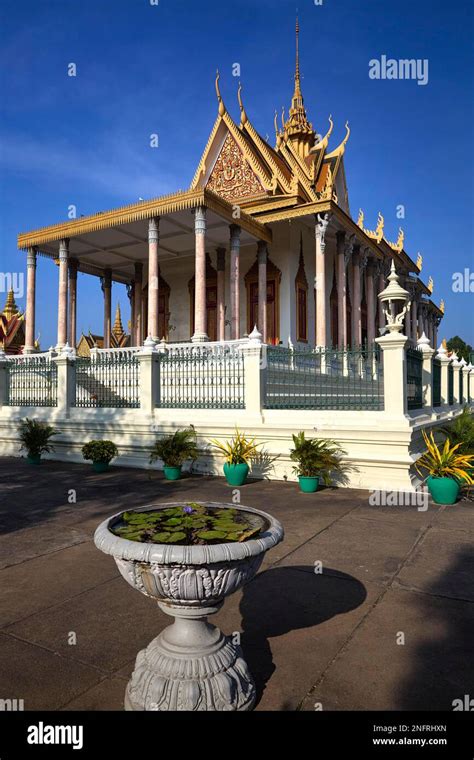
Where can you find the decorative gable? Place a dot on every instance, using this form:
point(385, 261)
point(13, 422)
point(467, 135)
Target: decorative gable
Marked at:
point(232, 177)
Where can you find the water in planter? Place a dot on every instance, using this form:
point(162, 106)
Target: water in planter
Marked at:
point(189, 524)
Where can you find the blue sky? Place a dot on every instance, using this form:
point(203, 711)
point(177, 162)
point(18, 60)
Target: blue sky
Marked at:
point(145, 69)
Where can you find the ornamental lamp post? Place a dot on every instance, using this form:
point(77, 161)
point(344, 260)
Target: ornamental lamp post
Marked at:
point(395, 302)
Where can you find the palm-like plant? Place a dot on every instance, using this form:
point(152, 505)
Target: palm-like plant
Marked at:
point(239, 449)
point(35, 437)
point(445, 461)
point(461, 432)
point(316, 456)
point(176, 449)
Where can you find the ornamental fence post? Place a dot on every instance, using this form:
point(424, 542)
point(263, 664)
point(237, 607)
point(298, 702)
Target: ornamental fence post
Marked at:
point(66, 378)
point(150, 385)
point(255, 367)
point(394, 346)
point(427, 371)
point(457, 367)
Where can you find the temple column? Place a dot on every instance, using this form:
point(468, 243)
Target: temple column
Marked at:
point(341, 289)
point(131, 299)
point(421, 321)
point(262, 256)
point(200, 315)
point(153, 278)
point(62, 294)
point(370, 304)
point(356, 314)
point(235, 281)
point(106, 285)
point(220, 293)
point(72, 273)
point(30, 301)
point(380, 287)
point(137, 301)
point(322, 221)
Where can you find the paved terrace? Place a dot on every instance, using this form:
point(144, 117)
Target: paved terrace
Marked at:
point(308, 638)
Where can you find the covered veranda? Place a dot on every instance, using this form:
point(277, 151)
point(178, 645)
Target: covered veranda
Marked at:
point(127, 245)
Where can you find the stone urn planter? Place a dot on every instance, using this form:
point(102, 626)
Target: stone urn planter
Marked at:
point(191, 664)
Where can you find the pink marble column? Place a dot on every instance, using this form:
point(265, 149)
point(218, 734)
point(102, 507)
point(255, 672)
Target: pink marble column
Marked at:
point(62, 295)
point(200, 314)
point(356, 313)
point(322, 221)
point(106, 284)
point(220, 293)
point(341, 289)
point(262, 257)
point(30, 301)
point(235, 281)
point(137, 324)
point(370, 304)
point(153, 277)
point(72, 332)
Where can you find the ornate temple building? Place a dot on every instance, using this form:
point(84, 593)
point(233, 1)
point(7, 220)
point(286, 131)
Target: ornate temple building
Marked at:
point(12, 326)
point(118, 337)
point(264, 236)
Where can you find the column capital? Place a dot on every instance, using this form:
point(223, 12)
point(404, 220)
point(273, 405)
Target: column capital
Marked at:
point(364, 258)
point(340, 238)
point(138, 270)
point(73, 266)
point(106, 279)
point(31, 257)
point(130, 286)
point(154, 229)
point(200, 220)
point(235, 231)
point(349, 248)
point(320, 228)
point(63, 249)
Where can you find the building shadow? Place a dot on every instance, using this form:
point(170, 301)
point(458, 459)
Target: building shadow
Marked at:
point(284, 599)
point(443, 666)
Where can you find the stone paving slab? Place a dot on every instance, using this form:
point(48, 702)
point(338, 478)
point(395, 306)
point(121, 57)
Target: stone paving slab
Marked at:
point(307, 637)
point(428, 672)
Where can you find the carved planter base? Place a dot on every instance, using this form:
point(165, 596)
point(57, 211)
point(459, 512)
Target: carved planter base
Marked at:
point(191, 665)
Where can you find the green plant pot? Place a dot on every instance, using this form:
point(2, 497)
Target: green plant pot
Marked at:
point(172, 473)
point(236, 474)
point(308, 484)
point(36, 459)
point(443, 490)
point(100, 466)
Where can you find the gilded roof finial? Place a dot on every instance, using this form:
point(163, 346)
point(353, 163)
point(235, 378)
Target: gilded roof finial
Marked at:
point(299, 130)
point(219, 97)
point(117, 329)
point(297, 66)
point(441, 306)
point(360, 220)
point(243, 115)
point(430, 285)
point(10, 307)
point(278, 136)
point(379, 227)
point(419, 262)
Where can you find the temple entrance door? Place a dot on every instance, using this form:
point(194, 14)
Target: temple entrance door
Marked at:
point(272, 337)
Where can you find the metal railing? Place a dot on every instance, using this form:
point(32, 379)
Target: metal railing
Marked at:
point(450, 384)
point(108, 381)
point(202, 377)
point(32, 380)
point(339, 379)
point(414, 368)
point(436, 382)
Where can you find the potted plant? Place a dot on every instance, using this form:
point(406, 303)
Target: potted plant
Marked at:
point(174, 450)
point(237, 453)
point(35, 439)
point(100, 453)
point(445, 467)
point(316, 459)
point(189, 557)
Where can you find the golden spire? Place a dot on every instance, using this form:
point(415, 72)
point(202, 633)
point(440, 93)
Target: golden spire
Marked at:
point(10, 306)
point(117, 329)
point(219, 96)
point(298, 127)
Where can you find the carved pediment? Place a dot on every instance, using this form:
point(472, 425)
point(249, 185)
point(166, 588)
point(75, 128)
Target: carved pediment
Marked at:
point(232, 176)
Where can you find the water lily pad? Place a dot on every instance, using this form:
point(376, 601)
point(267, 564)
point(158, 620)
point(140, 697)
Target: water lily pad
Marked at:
point(211, 535)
